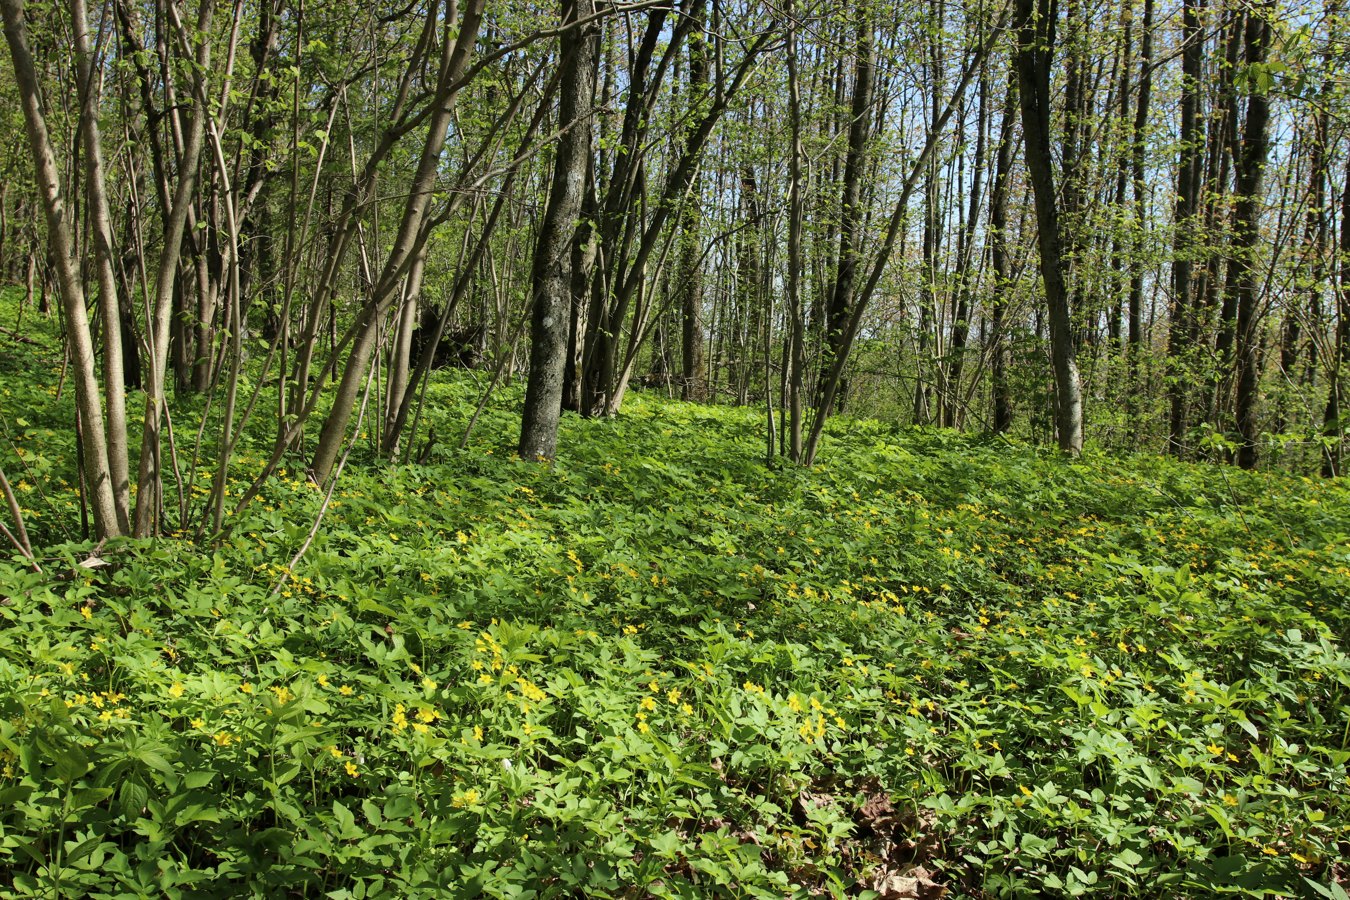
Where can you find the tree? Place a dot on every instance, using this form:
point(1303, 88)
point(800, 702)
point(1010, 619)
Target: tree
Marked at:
point(1250, 153)
point(1035, 43)
point(552, 269)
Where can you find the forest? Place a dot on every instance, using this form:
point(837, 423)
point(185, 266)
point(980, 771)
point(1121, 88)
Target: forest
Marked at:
point(676, 448)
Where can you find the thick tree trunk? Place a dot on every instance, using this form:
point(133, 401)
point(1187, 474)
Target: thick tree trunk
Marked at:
point(1033, 74)
point(552, 270)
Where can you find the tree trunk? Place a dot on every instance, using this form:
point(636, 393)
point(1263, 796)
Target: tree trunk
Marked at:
point(833, 378)
point(109, 310)
point(690, 279)
point(998, 253)
point(1333, 429)
point(1034, 50)
point(965, 283)
point(400, 362)
point(795, 369)
point(149, 487)
point(551, 277)
point(1138, 137)
point(1251, 163)
point(459, 41)
point(850, 205)
point(84, 367)
point(1187, 208)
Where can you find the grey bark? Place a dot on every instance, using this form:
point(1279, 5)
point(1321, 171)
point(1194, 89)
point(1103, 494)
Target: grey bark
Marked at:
point(551, 276)
point(97, 474)
point(108, 301)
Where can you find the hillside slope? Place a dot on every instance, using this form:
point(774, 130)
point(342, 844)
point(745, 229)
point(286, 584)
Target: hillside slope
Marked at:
point(664, 669)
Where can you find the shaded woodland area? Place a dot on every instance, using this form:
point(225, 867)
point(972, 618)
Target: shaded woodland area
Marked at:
point(1122, 221)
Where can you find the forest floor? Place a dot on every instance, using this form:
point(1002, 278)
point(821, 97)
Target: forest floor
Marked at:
point(932, 663)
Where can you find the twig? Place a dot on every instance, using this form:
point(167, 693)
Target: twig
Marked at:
point(496, 376)
point(21, 338)
point(332, 484)
point(19, 537)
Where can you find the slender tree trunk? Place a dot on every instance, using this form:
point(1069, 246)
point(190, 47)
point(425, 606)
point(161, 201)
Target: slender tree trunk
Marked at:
point(552, 276)
point(1251, 157)
point(1333, 429)
point(1138, 141)
point(832, 379)
point(149, 487)
point(1034, 49)
point(108, 304)
point(96, 469)
point(1187, 208)
point(998, 253)
point(1312, 265)
point(401, 356)
point(926, 369)
point(459, 40)
point(1221, 293)
point(965, 282)
point(1119, 238)
point(795, 370)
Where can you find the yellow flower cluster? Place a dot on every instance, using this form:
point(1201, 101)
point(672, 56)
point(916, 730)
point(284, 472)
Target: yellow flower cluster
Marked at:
point(813, 731)
point(531, 691)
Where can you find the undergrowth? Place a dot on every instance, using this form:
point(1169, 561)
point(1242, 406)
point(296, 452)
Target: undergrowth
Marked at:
point(663, 668)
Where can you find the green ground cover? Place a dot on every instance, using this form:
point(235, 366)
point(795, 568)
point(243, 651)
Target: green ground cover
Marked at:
point(664, 669)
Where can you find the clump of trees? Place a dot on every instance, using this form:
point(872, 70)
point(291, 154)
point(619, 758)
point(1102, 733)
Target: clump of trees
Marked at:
point(1122, 222)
